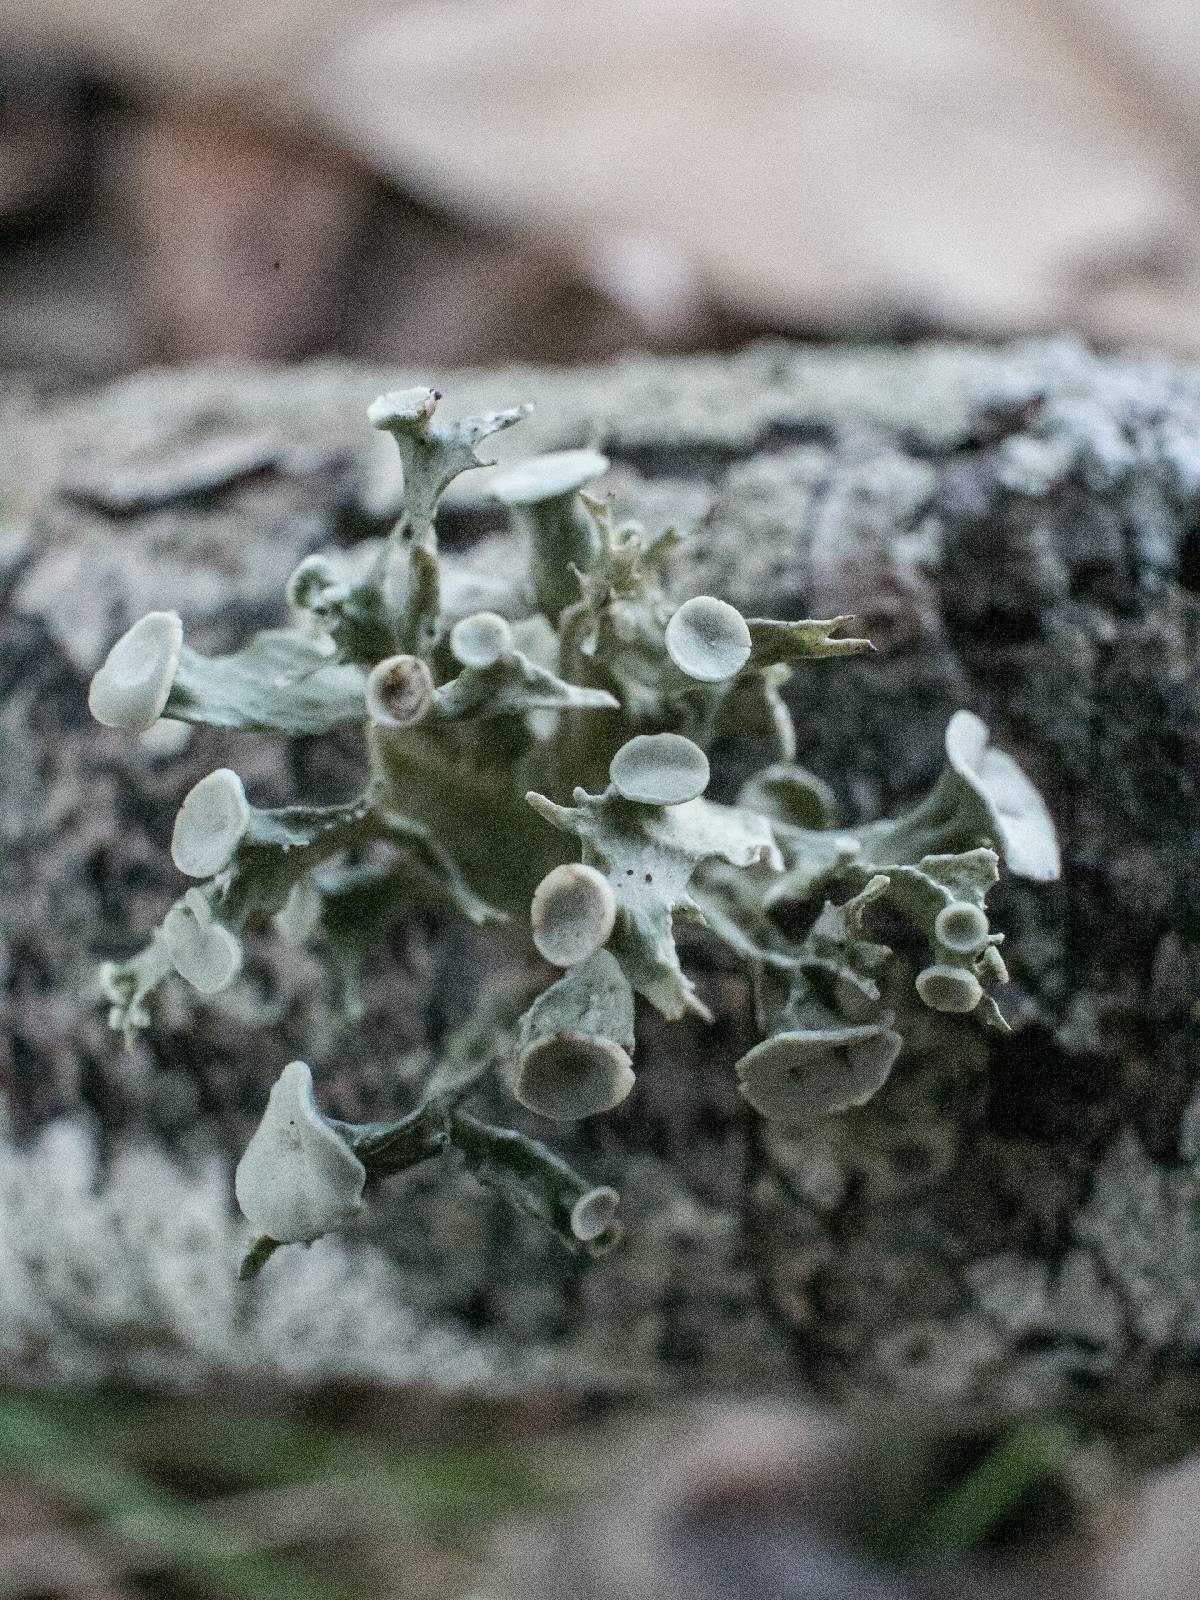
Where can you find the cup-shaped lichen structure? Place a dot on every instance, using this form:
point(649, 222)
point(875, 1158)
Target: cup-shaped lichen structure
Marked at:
point(595, 1213)
point(944, 987)
point(481, 639)
point(298, 1179)
point(211, 824)
point(572, 913)
point(574, 1057)
point(962, 928)
point(564, 540)
point(659, 769)
point(200, 948)
point(399, 692)
point(131, 689)
point(708, 639)
point(798, 1078)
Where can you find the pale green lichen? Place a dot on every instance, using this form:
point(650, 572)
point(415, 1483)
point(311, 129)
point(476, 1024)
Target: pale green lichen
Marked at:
point(132, 687)
point(708, 639)
point(212, 822)
point(659, 769)
point(202, 950)
point(298, 1180)
point(563, 539)
point(539, 749)
point(572, 913)
point(576, 1042)
point(481, 640)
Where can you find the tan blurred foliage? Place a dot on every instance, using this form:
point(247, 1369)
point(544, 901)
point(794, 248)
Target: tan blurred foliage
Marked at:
point(990, 166)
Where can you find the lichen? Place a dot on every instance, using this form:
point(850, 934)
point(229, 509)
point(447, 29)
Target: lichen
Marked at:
point(542, 763)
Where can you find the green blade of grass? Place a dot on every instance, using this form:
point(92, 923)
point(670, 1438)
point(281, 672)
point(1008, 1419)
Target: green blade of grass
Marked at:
point(434, 1488)
point(1026, 1458)
point(45, 1450)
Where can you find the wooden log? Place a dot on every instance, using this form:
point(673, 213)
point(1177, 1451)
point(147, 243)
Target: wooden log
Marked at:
point(1011, 1222)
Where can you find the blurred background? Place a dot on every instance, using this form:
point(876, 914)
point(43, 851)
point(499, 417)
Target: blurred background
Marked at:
point(449, 181)
point(446, 182)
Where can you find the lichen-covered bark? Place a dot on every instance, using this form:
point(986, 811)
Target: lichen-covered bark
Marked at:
point(1011, 1220)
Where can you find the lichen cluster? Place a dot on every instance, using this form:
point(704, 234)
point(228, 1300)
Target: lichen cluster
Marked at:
point(542, 763)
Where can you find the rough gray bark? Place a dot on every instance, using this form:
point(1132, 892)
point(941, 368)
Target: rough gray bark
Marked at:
point(1011, 1221)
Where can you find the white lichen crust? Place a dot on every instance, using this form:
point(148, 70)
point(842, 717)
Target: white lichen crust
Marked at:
point(122, 1271)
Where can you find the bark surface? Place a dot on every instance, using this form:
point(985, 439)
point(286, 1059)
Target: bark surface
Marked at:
point(1011, 1221)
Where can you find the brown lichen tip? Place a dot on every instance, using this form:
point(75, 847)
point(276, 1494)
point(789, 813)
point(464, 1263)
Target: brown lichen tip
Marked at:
point(403, 408)
point(399, 692)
